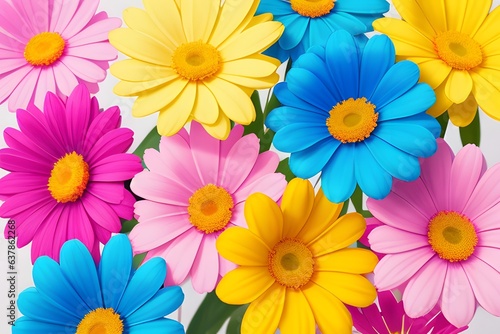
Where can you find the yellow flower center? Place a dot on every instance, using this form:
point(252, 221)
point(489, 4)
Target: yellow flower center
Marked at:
point(100, 321)
point(196, 60)
point(312, 8)
point(68, 178)
point(352, 120)
point(210, 208)
point(291, 263)
point(44, 49)
point(452, 236)
point(458, 50)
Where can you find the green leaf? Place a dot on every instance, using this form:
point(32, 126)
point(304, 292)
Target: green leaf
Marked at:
point(272, 104)
point(211, 315)
point(234, 325)
point(266, 140)
point(443, 121)
point(284, 168)
point(357, 201)
point(256, 126)
point(344, 208)
point(137, 260)
point(471, 134)
point(128, 225)
point(152, 140)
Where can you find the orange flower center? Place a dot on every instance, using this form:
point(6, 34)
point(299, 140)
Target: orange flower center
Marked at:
point(196, 60)
point(68, 178)
point(100, 321)
point(458, 50)
point(44, 49)
point(312, 8)
point(210, 208)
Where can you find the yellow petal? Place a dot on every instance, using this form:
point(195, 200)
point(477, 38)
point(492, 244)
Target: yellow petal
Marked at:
point(458, 86)
point(154, 100)
point(232, 101)
point(486, 94)
point(264, 218)
point(128, 88)
point(435, 12)
point(258, 19)
point(255, 83)
point(462, 114)
point(490, 29)
point(206, 109)
point(323, 214)
point(139, 20)
point(198, 18)
point(492, 48)
point(242, 247)
point(173, 117)
point(473, 15)
point(165, 14)
point(411, 12)
point(492, 62)
point(257, 65)
point(297, 316)
point(263, 315)
point(139, 46)
point(220, 129)
point(345, 231)
point(139, 71)
point(351, 289)
point(433, 72)
point(243, 285)
point(296, 204)
point(330, 313)
point(442, 102)
point(348, 260)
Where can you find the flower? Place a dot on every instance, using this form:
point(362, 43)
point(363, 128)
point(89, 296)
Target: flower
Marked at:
point(442, 241)
point(75, 296)
point(354, 115)
point(390, 318)
point(455, 45)
point(195, 59)
point(68, 169)
point(295, 269)
point(308, 23)
point(195, 188)
point(52, 46)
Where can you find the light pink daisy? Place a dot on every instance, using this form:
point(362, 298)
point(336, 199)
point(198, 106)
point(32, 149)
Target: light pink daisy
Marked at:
point(195, 188)
point(67, 170)
point(52, 46)
point(441, 236)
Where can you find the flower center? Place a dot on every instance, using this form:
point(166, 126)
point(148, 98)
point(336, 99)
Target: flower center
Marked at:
point(69, 178)
point(291, 263)
point(44, 49)
point(452, 236)
point(458, 50)
point(100, 321)
point(210, 208)
point(352, 120)
point(312, 8)
point(196, 60)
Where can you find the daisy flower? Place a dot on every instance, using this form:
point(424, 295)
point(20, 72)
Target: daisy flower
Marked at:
point(355, 116)
point(67, 170)
point(52, 46)
point(389, 317)
point(75, 296)
point(308, 23)
point(442, 241)
point(455, 44)
point(195, 59)
point(295, 267)
point(195, 187)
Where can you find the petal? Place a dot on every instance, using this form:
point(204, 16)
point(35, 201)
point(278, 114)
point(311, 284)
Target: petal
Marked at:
point(338, 180)
point(205, 270)
point(373, 180)
point(389, 240)
point(296, 205)
point(174, 116)
point(348, 260)
point(458, 86)
point(264, 218)
point(244, 285)
point(241, 246)
point(164, 302)
point(486, 194)
point(297, 315)
point(463, 114)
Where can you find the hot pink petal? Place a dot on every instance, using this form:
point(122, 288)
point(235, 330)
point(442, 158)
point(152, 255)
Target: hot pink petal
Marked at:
point(484, 282)
point(485, 195)
point(101, 213)
point(205, 270)
point(113, 142)
point(43, 241)
point(78, 115)
point(391, 310)
point(22, 143)
point(389, 240)
point(125, 209)
point(117, 167)
point(79, 225)
point(360, 321)
point(205, 150)
point(23, 201)
point(103, 123)
point(272, 185)
point(158, 188)
point(111, 192)
point(17, 182)
point(27, 227)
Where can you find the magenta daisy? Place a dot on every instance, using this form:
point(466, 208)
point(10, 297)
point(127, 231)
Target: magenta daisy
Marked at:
point(52, 46)
point(195, 188)
point(67, 169)
point(443, 241)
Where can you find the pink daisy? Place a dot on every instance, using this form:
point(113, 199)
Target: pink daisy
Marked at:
point(195, 188)
point(68, 168)
point(441, 236)
point(389, 317)
point(52, 46)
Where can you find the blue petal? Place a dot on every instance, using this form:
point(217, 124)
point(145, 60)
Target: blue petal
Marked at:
point(425, 120)
point(115, 269)
point(399, 164)
point(283, 116)
point(160, 326)
point(319, 31)
point(295, 28)
point(410, 138)
point(166, 301)
point(337, 180)
point(400, 78)
point(143, 285)
point(24, 325)
point(343, 63)
point(377, 58)
point(344, 21)
point(367, 20)
point(417, 100)
point(362, 6)
point(309, 162)
point(277, 8)
point(319, 51)
point(299, 136)
point(287, 98)
point(373, 180)
point(79, 268)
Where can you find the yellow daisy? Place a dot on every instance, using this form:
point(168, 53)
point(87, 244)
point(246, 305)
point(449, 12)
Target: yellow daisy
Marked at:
point(456, 45)
point(295, 269)
point(195, 59)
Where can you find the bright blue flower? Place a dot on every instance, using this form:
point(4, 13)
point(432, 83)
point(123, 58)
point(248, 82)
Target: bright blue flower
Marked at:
point(65, 293)
point(302, 32)
point(328, 76)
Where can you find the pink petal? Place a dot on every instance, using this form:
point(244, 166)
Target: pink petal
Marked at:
point(484, 282)
point(10, 81)
point(96, 32)
point(84, 69)
point(227, 145)
point(360, 322)
point(266, 163)
point(272, 185)
point(46, 83)
point(489, 255)
point(11, 21)
point(485, 195)
point(457, 303)
point(205, 270)
point(80, 19)
point(94, 51)
point(100, 125)
point(149, 210)
point(116, 167)
point(23, 93)
point(374, 317)
point(35, 12)
point(391, 310)
point(78, 115)
point(125, 209)
point(371, 224)
point(489, 238)
point(55, 116)
point(28, 227)
point(238, 215)
point(157, 188)
point(61, 15)
point(416, 194)
point(111, 192)
point(23, 201)
point(10, 64)
point(205, 151)
point(44, 242)
point(488, 220)
point(79, 225)
point(225, 266)
point(101, 213)
point(389, 240)
point(64, 78)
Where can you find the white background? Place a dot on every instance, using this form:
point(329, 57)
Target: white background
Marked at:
point(483, 322)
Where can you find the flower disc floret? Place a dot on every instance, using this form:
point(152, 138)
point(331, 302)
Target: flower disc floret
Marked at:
point(196, 60)
point(210, 208)
point(458, 50)
point(44, 49)
point(100, 321)
point(312, 8)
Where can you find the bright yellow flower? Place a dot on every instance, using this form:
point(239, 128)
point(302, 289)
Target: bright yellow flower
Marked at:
point(295, 269)
point(456, 45)
point(195, 59)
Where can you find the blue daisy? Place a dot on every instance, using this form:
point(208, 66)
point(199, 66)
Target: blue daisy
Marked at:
point(308, 23)
point(355, 116)
point(76, 297)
